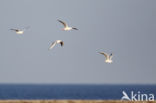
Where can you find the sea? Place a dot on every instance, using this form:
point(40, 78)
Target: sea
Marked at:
point(72, 91)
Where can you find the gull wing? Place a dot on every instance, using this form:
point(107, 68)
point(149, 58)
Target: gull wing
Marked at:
point(106, 56)
point(60, 42)
point(52, 45)
point(110, 56)
point(14, 29)
point(64, 24)
point(75, 28)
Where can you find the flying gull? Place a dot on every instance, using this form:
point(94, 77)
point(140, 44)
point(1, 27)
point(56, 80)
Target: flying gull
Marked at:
point(20, 31)
point(108, 57)
point(66, 27)
point(56, 42)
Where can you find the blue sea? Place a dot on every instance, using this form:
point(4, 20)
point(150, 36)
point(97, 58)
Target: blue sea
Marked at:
point(104, 92)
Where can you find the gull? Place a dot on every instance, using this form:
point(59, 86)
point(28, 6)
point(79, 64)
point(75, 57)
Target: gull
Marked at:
point(56, 42)
point(108, 57)
point(20, 31)
point(66, 27)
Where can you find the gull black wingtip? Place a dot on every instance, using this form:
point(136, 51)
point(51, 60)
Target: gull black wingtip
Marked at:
point(59, 20)
point(75, 28)
point(100, 53)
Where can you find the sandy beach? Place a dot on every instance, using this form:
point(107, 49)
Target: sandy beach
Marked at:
point(72, 101)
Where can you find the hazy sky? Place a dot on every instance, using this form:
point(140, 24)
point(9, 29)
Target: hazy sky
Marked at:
point(126, 28)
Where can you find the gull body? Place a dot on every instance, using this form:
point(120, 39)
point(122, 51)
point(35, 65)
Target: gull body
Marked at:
point(66, 27)
point(56, 42)
point(108, 58)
